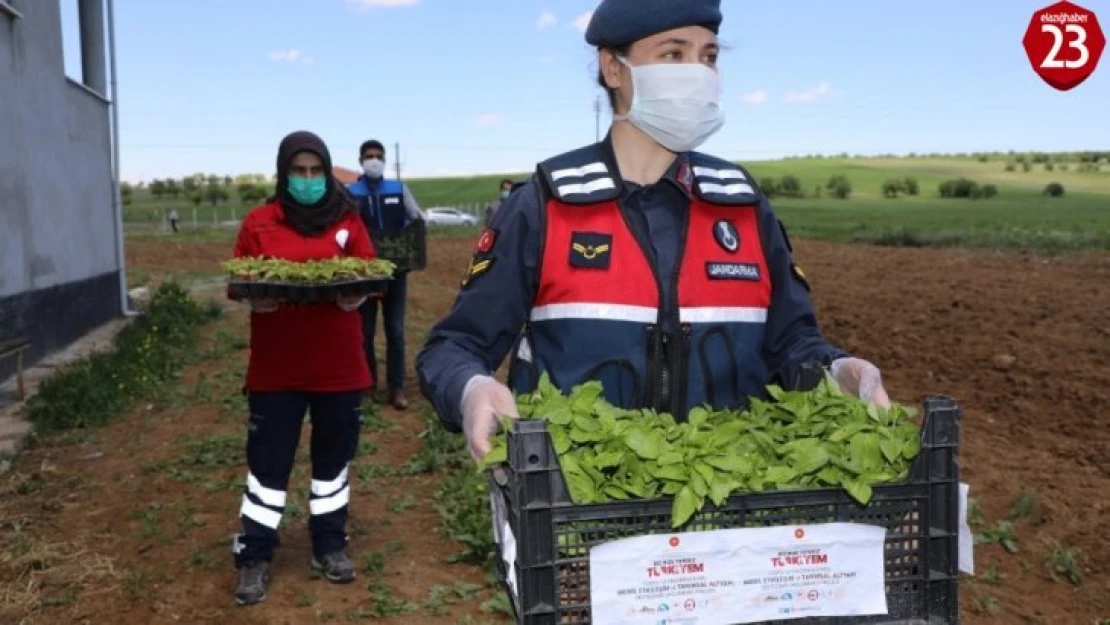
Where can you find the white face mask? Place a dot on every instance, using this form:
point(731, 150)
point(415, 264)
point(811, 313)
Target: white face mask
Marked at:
point(373, 167)
point(677, 104)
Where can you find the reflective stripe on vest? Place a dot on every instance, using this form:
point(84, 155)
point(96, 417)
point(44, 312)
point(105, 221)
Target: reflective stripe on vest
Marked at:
point(597, 307)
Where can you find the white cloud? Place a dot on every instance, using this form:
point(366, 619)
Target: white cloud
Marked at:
point(758, 96)
point(547, 20)
point(292, 55)
point(488, 120)
point(547, 60)
point(583, 21)
point(370, 5)
point(809, 95)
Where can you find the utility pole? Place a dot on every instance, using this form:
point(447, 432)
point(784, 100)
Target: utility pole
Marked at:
point(397, 158)
point(597, 118)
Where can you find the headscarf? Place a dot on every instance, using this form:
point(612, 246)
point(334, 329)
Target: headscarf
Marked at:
point(315, 219)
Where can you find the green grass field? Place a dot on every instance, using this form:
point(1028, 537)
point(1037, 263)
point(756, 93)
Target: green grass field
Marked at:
point(1020, 217)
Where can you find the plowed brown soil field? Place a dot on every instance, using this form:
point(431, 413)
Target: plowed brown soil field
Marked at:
point(131, 524)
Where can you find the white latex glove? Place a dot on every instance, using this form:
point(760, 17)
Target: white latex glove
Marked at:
point(484, 402)
point(350, 303)
point(264, 305)
point(860, 378)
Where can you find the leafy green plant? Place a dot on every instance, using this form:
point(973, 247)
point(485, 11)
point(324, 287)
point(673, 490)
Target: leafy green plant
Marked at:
point(819, 438)
point(1002, 533)
point(1025, 506)
point(148, 355)
point(987, 604)
point(261, 269)
point(1065, 562)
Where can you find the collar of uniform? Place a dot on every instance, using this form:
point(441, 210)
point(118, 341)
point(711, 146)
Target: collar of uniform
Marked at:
point(678, 170)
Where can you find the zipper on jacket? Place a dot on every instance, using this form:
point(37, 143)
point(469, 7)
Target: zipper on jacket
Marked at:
point(663, 399)
point(655, 360)
point(680, 371)
point(679, 353)
point(664, 359)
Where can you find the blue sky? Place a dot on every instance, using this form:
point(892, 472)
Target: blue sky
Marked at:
point(476, 86)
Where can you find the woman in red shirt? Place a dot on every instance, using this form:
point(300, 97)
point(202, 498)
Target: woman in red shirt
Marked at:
point(304, 358)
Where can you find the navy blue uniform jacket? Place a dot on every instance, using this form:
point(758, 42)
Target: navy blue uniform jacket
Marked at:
point(490, 310)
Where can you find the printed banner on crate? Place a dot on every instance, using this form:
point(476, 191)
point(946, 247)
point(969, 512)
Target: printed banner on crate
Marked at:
point(749, 575)
point(966, 539)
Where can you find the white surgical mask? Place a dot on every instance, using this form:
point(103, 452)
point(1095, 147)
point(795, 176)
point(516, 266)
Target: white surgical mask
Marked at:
point(677, 104)
point(373, 167)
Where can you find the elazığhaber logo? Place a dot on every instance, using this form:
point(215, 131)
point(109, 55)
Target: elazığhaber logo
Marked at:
point(799, 533)
point(674, 541)
point(1064, 43)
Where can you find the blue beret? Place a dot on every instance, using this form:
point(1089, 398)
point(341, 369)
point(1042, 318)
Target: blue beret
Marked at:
point(620, 22)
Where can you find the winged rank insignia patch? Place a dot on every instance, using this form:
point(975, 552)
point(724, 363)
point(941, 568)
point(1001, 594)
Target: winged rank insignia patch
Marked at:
point(475, 268)
point(590, 250)
point(800, 275)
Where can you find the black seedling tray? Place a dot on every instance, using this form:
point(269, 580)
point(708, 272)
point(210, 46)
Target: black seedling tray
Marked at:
point(553, 535)
point(407, 247)
point(305, 293)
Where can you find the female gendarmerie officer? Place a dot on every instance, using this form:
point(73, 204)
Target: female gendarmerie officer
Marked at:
point(659, 271)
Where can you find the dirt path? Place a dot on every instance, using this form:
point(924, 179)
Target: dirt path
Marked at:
point(132, 523)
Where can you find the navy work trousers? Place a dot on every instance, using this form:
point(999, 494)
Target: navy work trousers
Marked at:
point(272, 436)
point(393, 312)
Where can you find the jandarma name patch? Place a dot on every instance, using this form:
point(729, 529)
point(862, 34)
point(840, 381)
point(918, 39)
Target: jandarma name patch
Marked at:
point(732, 271)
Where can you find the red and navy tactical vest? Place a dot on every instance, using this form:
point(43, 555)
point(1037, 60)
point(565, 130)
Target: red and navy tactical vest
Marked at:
point(597, 313)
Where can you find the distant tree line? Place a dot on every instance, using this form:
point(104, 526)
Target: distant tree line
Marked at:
point(839, 186)
point(1089, 158)
point(200, 188)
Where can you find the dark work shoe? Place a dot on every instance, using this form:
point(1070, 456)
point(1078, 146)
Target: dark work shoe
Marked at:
point(336, 567)
point(253, 579)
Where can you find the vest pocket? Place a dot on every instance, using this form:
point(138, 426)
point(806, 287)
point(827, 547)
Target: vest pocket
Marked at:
point(720, 371)
point(620, 382)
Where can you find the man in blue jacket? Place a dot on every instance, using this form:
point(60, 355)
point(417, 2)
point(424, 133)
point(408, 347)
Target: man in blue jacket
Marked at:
point(385, 205)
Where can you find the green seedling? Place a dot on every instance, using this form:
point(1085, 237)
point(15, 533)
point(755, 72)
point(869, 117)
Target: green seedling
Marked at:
point(796, 440)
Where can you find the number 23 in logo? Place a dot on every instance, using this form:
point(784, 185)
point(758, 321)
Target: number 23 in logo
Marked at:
point(1064, 43)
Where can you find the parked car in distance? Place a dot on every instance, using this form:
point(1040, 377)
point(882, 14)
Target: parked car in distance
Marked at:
point(441, 216)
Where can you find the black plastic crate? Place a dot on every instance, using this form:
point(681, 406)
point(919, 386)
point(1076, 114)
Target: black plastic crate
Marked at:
point(407, 247)
point(553, 535)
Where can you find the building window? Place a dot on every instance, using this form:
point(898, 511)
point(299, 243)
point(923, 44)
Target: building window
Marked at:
point(71, 38)
point(8, 7)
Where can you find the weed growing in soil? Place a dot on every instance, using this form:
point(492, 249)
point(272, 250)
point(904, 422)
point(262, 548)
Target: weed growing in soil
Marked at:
point(1025, 507)
point(993, 576)
point(499, 603)
point(148, 354)
point(1002, 533)
point(1064, 562)
point(461, 497)
point(986, 604)
point(441, 598)
point(400, 504)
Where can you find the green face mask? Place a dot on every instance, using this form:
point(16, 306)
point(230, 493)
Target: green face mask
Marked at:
point(307, 191)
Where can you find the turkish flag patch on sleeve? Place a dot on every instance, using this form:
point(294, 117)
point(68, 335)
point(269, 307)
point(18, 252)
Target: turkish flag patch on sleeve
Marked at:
point(486, 241)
